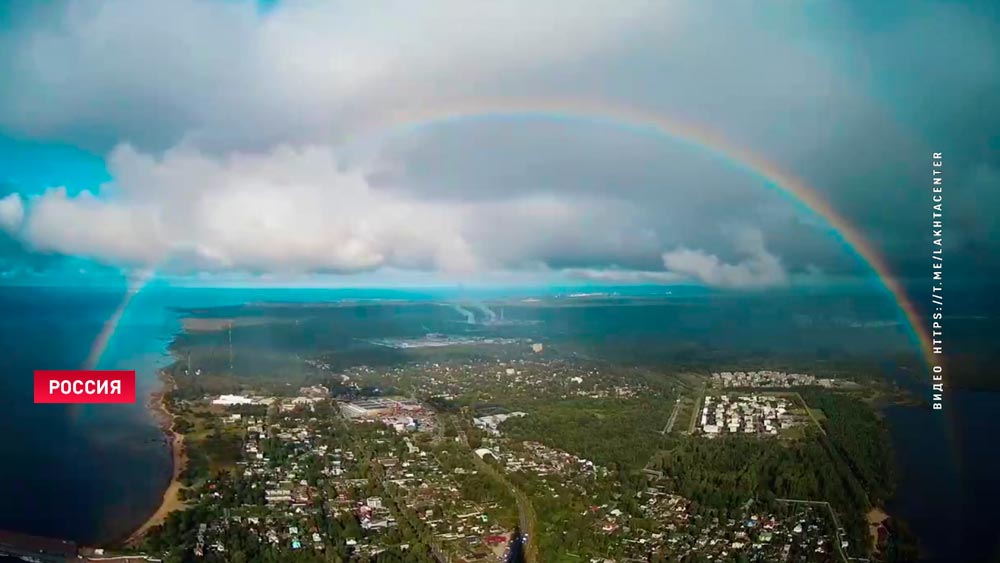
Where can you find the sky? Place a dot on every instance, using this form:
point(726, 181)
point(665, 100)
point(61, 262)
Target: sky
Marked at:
point(214, 140)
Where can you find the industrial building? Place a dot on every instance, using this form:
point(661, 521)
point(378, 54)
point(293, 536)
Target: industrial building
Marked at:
point(367, 408)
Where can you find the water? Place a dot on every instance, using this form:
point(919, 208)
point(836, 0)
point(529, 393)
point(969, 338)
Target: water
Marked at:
point(85, 472)
point(949, 489)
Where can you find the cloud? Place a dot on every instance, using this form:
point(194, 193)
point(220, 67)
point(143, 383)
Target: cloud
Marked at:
point(300, 210)
point(221, 74)
point(11, 213)
point(759, 269)
point(90, 227)
point(270, 143)
point(613, 275)
point(288, 210)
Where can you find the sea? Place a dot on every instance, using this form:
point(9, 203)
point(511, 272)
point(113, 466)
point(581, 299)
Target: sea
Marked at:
point(949, 475)
point(93, 473)
point(81, 472)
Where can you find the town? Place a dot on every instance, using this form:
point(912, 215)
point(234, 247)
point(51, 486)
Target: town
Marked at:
point(357, 478)
point(517, 376)
point(769, 378)
point(338, 471)
point(749, 414)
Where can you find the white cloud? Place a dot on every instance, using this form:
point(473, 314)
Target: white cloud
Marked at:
point(11, 213)
point(759, 269)
point(88, 226)
point(613, 275)
point(288, 210)
point(299, 210)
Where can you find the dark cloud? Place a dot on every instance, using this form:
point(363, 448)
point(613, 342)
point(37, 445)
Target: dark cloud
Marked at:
point(244, 140)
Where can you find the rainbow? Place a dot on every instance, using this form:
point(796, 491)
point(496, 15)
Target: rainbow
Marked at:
point(640, 122)
point(655, 124)
point(136, 281)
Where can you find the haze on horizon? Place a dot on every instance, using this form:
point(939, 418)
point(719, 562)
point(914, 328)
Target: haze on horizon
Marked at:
point(229, 141)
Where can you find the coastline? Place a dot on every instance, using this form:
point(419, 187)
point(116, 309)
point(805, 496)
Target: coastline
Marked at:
point(876, 518)
point(171, 500)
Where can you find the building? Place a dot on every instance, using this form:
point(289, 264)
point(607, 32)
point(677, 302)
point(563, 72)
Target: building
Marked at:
point(367, 408)
point(483, 452)
point(492, 423)
point(314, 391)
point(230, 400)
point(746, 414)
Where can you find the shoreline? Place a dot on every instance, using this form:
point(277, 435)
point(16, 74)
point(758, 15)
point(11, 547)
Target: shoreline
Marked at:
point(876, 517)
point(171, 500)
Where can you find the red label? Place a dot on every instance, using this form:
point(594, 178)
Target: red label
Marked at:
point(85, 386)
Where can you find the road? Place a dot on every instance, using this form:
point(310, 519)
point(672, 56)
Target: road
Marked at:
point(673, 416)
point(805, 405)
point(527, 520)
point(695, 411)
point(525, 511)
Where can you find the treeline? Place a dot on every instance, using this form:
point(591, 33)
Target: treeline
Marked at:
point(609, 432)
point(213, 449)
point(568, 528)
point(860, 438)
point(724, 473)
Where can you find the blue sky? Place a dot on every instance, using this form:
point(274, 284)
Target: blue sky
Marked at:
point(30, 166)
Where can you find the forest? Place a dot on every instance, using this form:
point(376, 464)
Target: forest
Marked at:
point(860, 438)
point(725, 473)
point(610, 432)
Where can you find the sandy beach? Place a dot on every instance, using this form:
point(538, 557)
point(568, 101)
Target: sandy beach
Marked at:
point(875, 517)
point(171, 496)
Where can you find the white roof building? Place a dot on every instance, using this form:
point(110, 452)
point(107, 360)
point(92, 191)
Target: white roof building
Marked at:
point(228, 400)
